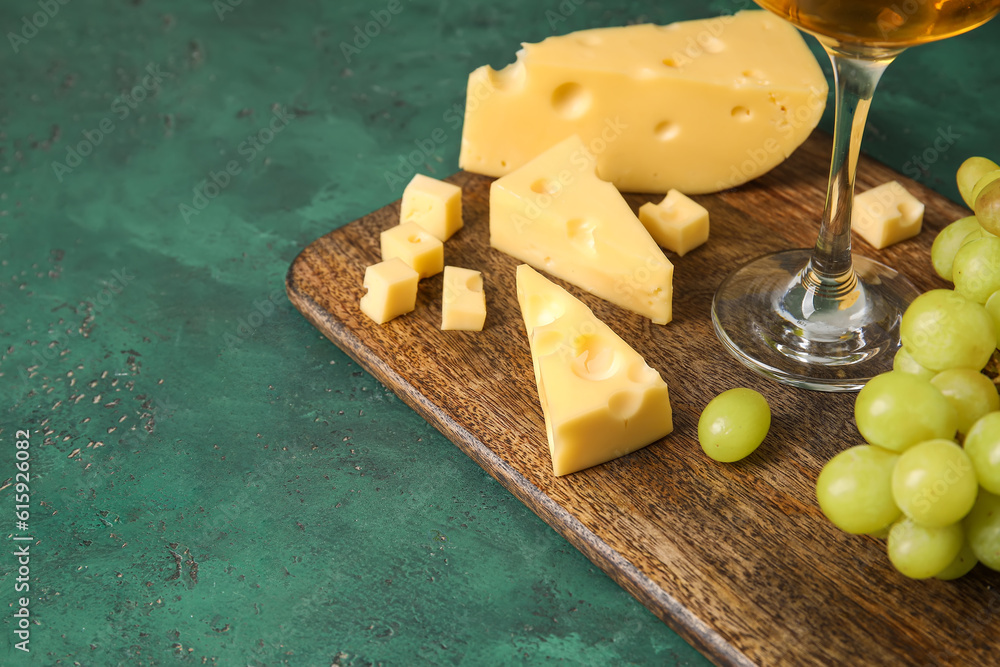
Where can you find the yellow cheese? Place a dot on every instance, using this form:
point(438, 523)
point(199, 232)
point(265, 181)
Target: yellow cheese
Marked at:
point(887, 214)
point(414, 245)
point(677, 223)
point(391, 290)
point(463, 300)
point(434, 205)
point(599, 397)
point(698, 106)
point(555, 214)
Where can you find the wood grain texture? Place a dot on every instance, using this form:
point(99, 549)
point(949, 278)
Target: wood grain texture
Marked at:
point(737, 558)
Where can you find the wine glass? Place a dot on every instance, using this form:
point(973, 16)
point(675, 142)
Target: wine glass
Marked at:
point(821, 318)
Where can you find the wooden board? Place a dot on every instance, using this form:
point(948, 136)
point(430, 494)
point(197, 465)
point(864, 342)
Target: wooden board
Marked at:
point(736, 558)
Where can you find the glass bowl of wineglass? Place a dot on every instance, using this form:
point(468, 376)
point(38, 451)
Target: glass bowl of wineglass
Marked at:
point(822, 318)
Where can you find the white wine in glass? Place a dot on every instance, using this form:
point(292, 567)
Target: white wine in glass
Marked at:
point(822, 318)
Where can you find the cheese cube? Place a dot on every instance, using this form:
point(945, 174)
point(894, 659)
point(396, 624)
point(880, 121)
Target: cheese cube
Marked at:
point(599, 397)
point(699, 106)
point(391, 290)
point(463, 303)
point(434, 205)
point(414, 245)
point(677, 223)
point(557, 215)
point(887, 214)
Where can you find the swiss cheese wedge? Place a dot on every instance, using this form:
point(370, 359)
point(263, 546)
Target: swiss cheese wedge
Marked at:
point(698, 106)
point(599, 397)
point(555, 214)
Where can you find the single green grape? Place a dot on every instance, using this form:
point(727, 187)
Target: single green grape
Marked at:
point(897, 410)
point(982, 444)
point(976, 269)
point(947, 243)
point(903, 362)
point(987, 208)
point(934, 483)
point(942, 329)
point(969, 174)
point(733, 424)
point(982, 184)
point(920, 552)
point(982, 528)
point(961, 566)
point(854, 489)
point(992, 306)
point(971, 393)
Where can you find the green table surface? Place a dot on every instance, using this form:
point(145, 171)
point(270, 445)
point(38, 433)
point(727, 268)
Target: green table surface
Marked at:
point(212, 481)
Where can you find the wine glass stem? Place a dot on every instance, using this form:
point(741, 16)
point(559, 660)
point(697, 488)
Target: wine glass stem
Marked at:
point(855, 80)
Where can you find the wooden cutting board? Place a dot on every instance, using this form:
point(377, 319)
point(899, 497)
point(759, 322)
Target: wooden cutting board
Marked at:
point(737, 558)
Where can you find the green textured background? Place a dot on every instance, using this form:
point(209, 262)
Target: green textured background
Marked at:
point(212, 481)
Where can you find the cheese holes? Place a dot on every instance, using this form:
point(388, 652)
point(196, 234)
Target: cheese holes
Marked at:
point(593, 360)
point(571, 100)
point(546, 186)
point(581, 235)
point(666, 130)
point(670, 62)
point(625, 404)
point(642, 374)
point(590, 40)
point(542, 310)
point(414, 239)
point(741, 113)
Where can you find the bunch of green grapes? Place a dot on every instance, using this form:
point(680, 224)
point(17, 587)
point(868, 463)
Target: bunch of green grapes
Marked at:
point(967, 252)
point(928, 479)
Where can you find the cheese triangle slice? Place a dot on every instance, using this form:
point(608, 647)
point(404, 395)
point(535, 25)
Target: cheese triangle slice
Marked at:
point(555, 214)
point(697, 106)
point(599, 397)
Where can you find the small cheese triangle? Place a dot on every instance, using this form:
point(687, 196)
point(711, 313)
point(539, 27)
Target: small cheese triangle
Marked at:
point(557, 215)
point(599, 397)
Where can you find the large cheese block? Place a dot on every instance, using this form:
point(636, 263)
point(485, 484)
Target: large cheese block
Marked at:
point(698, 106)
point(555, 214)
point(599, 397)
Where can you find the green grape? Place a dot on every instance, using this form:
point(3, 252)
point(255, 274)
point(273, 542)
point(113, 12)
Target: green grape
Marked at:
point(733, 424)
point(961, 566)
point(854, 489)
point(934, 483)
point(942, 329)
point(971, 393)
point(976, 269)
point(904, 363)
point(993, 308)
point(987, 208)
point(897, 410)
point(981, 184)
point(982, 444)
point(982, 527)
point(920, 552)
point(969, 174)
point(947, 243)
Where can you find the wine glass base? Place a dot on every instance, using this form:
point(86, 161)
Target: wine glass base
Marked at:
point(767, 316)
